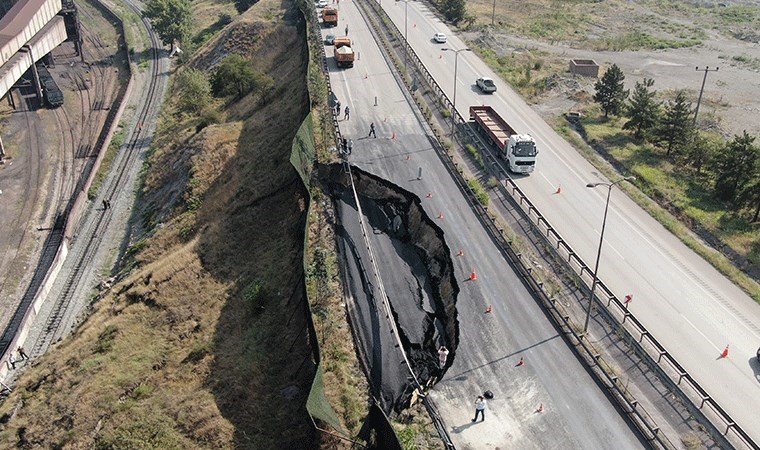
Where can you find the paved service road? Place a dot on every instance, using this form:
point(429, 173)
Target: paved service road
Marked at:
point(576, 412)
point(688, 306)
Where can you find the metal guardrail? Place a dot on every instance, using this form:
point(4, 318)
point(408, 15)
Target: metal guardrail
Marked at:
point(645, 344)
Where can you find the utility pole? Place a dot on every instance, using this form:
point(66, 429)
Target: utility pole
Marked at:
point(493, 12)
point(705, 70)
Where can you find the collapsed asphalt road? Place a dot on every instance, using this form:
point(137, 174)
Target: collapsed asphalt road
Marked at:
point(418, 276)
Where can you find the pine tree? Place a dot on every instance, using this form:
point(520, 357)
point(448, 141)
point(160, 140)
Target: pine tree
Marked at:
point(676, 129)
point(643, 111)
point(610, 91)
point(735, 168)
point(699, 150)
point(453, 10)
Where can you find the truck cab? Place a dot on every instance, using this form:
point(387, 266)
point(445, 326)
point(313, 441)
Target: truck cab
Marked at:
point(521, 153)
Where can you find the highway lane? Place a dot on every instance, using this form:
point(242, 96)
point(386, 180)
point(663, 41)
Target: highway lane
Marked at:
point(576, 412)
point(688, 305)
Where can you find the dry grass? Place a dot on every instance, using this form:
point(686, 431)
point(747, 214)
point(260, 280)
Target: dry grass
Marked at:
point(345, 384)
point(204, 345)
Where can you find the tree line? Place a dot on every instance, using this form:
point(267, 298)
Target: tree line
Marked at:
point(732, 168)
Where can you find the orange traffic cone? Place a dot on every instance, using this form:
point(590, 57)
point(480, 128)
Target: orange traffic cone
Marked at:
point(461, 253)
point(725, 352)
point(540, 408)
point(473, 277)
point(440, 215)
point(559, 189)
point(520, 363)
point(430, 195)
point(488, 310)
point(393, 136)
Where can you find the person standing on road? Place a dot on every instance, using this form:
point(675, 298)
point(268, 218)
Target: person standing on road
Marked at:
point(105, 205)
point(12, 361)
point(350, 145)
point(344, 144)
point(443, 354)
point(346, 116)
point(480, 408)
point(346, 30)
point(21, 353)
point(337, 108)
point(372, 130)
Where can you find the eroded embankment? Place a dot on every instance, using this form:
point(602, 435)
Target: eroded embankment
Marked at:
point(417, 273)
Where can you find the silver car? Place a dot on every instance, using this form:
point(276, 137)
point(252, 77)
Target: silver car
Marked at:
point(486, 84)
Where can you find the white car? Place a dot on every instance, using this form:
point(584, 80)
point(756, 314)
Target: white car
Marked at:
point(322, 4)
point(439, 38)
point(486, 84)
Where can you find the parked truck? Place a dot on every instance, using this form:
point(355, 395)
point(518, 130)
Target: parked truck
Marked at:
point(344, 54)
point(330, 17)
point(519, 150)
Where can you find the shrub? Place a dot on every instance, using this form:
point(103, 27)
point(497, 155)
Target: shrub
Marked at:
point(234, 76)
point(194, 91)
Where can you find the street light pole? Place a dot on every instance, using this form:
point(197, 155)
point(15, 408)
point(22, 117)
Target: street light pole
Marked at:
point(493, 13)
point(454, 102)
point(601, 241)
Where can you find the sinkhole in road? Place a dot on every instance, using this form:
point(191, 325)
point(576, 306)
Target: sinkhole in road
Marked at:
point(418, 275)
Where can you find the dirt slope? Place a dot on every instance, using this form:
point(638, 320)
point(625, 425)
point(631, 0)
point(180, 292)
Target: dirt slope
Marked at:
point(204, 344)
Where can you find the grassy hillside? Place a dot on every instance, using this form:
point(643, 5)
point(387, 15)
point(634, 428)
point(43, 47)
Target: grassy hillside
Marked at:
point(204, 343)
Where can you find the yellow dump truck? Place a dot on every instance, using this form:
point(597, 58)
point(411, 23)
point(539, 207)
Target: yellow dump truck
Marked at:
point(344, 54)
point(330, 17)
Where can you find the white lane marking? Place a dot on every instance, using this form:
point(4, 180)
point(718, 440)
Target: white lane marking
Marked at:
point(700, 332)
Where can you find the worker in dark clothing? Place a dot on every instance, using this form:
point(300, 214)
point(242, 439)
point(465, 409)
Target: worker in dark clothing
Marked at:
point(346, 116)
point(337, 108)
point(372, 130)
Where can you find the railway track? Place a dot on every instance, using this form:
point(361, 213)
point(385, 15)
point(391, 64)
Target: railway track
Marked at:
point(61, 317)
point(77, 137)
point(12, 253)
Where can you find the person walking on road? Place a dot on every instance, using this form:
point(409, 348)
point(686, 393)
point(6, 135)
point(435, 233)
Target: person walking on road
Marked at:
point(443, 354)
point(21, 353)
point(337, 108)
point(346, 30)
point(344, 144)
point(350, 145)
point(346, 116)
point(480, 408)
point(12, 361)
point(372, 130)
